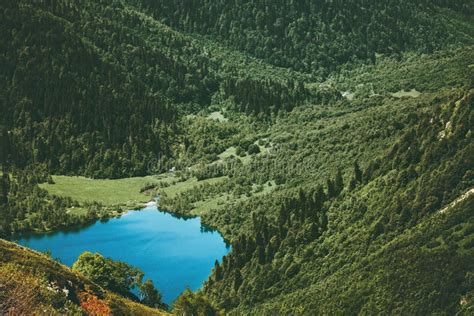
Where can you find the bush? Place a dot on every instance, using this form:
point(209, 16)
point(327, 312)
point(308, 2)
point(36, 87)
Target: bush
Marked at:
point(253, 149)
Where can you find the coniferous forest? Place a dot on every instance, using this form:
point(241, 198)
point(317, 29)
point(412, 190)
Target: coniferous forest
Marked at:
point(329, 142)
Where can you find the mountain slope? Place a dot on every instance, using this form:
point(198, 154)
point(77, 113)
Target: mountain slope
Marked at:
point(302, 243)
point(398, 278)
point(98, 89)
point(309, 250)
point(328, 141)
point(32, 282)
point(318, 36)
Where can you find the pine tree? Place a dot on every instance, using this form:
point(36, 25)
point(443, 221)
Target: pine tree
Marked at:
point(237, 279)
point(352, 184)
point(331, 189)
point(313, 231)
point(259, 241)
point(323, 221)
point(283, 215)
point(261, 254)
point(4, 148)
point(217, 271)
point(357, 172)
point(338, 183)
point(321, 195)
point(5, 187)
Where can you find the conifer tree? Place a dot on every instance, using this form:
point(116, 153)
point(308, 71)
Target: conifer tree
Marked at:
point(5, 185)
point(338, 183)
point(357, 172)
point(217, 271)
point(237, 279)
point(331, 189)
point(261, 254)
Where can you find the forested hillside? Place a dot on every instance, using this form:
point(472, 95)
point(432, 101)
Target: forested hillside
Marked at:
point(97, 89)
point(310, 242)
point(71, 105)
point(317, 36)
point(330, 142)
point(332, 205)
point(33, 283)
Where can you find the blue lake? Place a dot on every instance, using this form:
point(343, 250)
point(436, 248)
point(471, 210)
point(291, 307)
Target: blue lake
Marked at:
point(175, 253)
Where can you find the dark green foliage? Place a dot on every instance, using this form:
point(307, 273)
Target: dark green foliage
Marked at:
point(313, 244)
point(256, 96)
point(312, 236)
point(69, 104)
point(317, 36)
point(114, 275)
point(189, 303)
point(217, 271)
point(357, 173)
point(331, 189)
point(27, 208)
point(150, 296)
point(253, 149)
point(99, 89)
point(338, 183)
point(237, 279)
point(4, 189)
point(337, 209)
point(118, 277)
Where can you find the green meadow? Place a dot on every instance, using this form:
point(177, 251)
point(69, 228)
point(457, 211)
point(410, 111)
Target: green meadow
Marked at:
point(112, 192)
point(107, 192)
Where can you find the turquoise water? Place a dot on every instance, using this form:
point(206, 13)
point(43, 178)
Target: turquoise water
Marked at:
point(174, 253)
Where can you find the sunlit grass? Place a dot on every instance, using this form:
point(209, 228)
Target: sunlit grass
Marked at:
point(107, 192)
point(179, 187)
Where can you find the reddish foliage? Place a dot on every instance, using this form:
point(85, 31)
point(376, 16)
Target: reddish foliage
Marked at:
point(92, 305)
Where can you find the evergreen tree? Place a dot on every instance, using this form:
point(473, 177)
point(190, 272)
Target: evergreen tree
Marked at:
point(261, 254)
point(237, 279)
point(5, 185)
point(338, 183)
point(357, 172)
point(149, 295)
point(217, 271)
point(331, 189)
point(352, 184)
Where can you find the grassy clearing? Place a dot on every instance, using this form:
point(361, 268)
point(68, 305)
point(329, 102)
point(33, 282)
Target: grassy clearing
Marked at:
point(232, 152)
point(107, 192)
point(77, 211)
point(220, 200)
point(413, 93)
point(179, 187)
point(229, 152)
point(218, 116)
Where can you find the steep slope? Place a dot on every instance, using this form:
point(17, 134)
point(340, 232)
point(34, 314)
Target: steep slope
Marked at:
point(348, 195)
point(317, 36)
point(69, 104)
point(33, 283)
point(311, 250)
point(399, 277)
point(97, 89)
point(356, 250)
point(349, 182)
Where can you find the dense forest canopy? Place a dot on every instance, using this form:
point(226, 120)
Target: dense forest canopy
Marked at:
point(330, 142)
point(108, 79)
point(96, 88)
point(317, 36)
